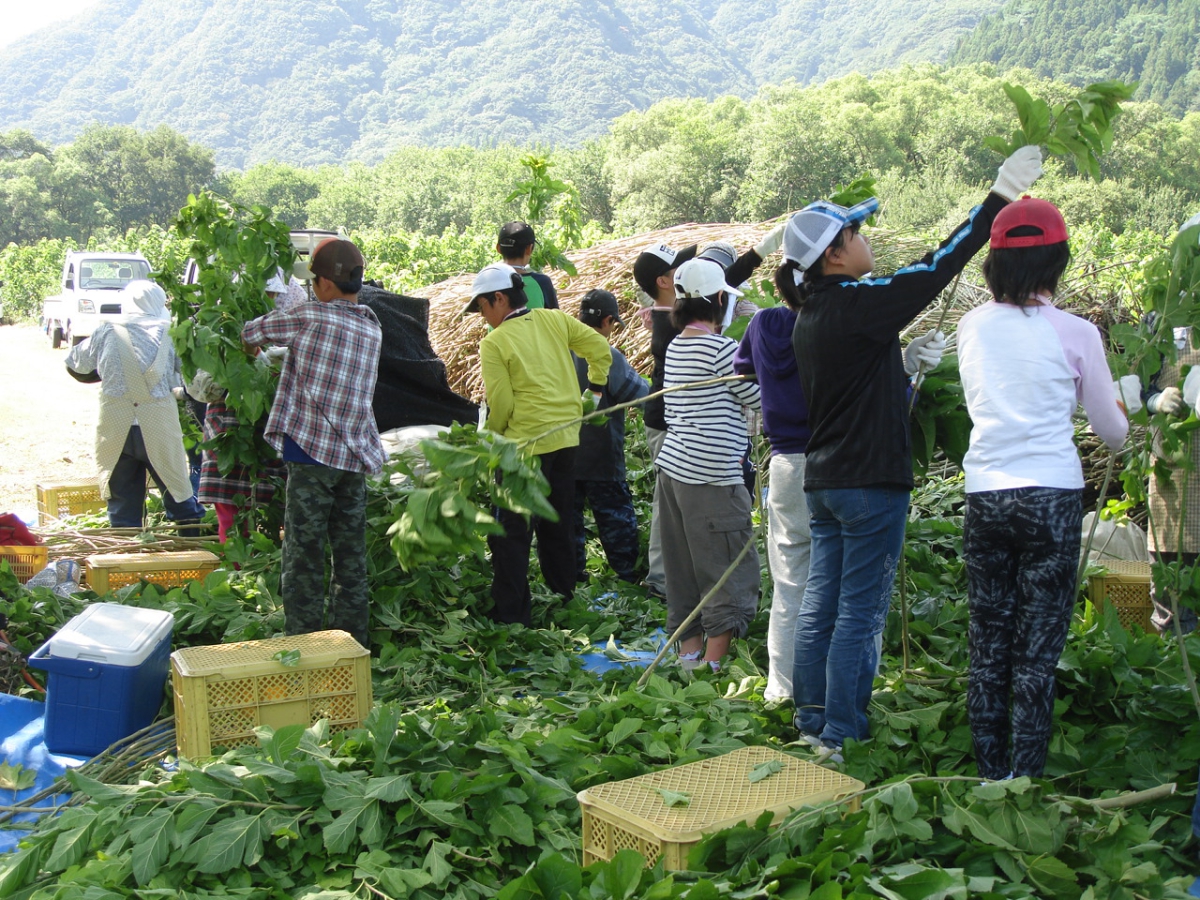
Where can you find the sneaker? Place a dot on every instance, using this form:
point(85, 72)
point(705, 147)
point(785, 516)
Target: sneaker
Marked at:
point(812, 740)
point(829, 753)
point(690, 661)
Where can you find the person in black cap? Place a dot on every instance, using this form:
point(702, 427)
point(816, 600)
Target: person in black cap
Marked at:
point(600, 464)
point(515, 246)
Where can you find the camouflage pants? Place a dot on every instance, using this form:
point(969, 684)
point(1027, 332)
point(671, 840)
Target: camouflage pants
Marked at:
point(1021, 548)
point(612, 508)
point(325, 505)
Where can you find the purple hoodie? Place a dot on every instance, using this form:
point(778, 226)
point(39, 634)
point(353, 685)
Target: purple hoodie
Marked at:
point(766, 351)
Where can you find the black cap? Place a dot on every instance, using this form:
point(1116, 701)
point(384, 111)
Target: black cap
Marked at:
point(656, 260)
point(515, 236)
point(596, 304)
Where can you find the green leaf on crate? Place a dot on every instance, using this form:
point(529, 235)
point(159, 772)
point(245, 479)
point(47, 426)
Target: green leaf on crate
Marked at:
point(16, 778)
point(674, 798)
point(287, 657)
point(764, 770)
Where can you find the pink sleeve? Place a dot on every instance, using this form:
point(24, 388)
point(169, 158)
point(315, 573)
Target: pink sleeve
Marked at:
point(1093, 381)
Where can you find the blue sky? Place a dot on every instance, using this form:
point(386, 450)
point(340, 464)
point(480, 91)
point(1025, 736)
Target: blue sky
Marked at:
point(21, 18)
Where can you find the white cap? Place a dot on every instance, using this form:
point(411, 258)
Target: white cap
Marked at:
point(496, 277)
point(702, 278)
point(814, 228)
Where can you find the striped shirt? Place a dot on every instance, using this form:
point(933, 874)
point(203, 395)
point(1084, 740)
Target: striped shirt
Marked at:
point(706, 431)
point(323, 402)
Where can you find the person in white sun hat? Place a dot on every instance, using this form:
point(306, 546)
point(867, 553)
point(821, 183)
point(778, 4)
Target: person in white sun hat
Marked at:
point(858, 467)
point(702, 499)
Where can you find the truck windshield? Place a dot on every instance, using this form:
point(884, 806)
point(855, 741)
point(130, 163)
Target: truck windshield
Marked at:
point(96, 273)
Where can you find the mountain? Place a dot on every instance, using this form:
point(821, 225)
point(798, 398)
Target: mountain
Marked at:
point(1156, 42)
point(325, 81)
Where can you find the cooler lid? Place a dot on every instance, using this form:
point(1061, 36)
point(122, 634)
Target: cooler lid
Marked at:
point(112, 633)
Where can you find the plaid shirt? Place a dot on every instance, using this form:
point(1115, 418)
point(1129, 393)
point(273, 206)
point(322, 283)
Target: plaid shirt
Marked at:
point(328, 380)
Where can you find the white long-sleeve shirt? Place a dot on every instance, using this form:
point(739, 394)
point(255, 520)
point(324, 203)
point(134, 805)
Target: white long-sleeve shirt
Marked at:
point(1024, 371)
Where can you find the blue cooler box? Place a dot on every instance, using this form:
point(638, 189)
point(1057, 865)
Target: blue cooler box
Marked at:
point(107, 669)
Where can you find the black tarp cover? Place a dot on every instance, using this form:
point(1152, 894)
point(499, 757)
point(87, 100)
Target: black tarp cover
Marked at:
point(412, 388)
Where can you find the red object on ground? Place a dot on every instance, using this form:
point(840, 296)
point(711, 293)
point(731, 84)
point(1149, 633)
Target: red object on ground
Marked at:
point(13, 532)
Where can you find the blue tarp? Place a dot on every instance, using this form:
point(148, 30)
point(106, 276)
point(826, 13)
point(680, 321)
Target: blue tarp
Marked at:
point(21, 743)
point(602, 658)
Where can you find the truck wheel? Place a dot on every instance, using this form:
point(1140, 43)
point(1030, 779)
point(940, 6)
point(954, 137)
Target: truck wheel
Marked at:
point(56, 336)
point(76, 340)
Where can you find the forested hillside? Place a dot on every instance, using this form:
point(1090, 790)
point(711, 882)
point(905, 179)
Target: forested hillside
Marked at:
point(1156, 42)
point(322, 82)
point(427, 213)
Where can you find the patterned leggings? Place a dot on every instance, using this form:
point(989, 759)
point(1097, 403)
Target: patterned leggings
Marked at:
point(1021, 548)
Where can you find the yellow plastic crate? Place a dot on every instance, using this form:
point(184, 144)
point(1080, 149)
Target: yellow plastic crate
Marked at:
point(1125, 584)
point(68, 498)
point(224, 691)
point(106, 572)
point(632, 815)
point(25, 561)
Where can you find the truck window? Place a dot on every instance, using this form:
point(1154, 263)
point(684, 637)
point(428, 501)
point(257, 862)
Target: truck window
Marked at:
point(98, 273)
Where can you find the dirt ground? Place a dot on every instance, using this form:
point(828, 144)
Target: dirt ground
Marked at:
point(47, 419)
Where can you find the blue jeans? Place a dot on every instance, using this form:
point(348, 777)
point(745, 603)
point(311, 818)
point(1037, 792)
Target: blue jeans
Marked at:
point(857, 539)
point(127, 489)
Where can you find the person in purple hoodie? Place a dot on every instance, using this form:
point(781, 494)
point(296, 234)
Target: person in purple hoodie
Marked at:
point(766, 352)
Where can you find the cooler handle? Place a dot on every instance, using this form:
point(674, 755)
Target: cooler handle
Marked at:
point(40, 659)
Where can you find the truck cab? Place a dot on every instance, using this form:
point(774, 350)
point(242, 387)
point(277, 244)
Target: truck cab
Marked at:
point(92, 282)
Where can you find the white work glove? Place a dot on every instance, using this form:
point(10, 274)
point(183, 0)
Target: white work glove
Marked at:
point(1169, 402)
point(1128, 392)
point(1191, 387)
point(771, 240)
point(924, 353)
point(1018, 173)
point(178, 393)
point(275, 354)
point(204, 389)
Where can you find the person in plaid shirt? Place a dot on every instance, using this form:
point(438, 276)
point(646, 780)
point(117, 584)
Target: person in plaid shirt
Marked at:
point(322, 424)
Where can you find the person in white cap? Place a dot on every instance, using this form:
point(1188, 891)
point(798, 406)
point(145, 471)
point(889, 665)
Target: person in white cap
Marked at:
point(858, 466)
point(529, 382)
point(138, 432)
point(702, 499)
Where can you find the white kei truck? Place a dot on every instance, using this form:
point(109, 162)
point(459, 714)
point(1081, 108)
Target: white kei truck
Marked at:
point(90, 293)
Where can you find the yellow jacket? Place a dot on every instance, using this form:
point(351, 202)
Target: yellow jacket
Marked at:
point(529, 376)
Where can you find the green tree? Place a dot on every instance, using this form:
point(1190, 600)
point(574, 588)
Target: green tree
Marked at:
point(680, 161)
point(285, 190)
point(143, 178)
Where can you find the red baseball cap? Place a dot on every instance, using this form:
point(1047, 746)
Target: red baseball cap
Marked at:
point(1033, 213)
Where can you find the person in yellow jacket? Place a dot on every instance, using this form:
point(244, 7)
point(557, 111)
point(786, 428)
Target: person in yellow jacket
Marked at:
point(530, 384)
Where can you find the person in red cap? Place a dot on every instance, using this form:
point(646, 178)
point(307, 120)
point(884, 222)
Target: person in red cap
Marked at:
point(1026, 365)
point(323, 426)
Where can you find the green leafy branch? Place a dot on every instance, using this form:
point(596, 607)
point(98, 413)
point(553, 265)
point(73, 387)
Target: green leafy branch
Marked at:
point(237, 250)
point(552, 205)
point(450, 488)
point(1080, 128)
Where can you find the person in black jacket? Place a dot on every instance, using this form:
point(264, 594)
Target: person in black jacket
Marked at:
point(654, 272)
point(858, 471)
point(600, 464)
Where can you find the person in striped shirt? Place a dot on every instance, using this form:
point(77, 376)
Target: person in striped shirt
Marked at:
point(704, 502)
